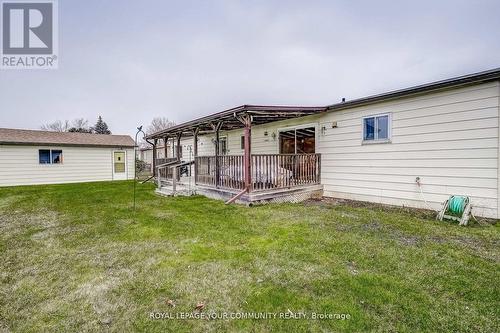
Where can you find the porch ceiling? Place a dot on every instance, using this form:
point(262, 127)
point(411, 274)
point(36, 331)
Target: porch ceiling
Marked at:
point(259, 114)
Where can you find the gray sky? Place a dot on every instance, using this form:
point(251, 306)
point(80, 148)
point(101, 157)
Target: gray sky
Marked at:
point(130, 61)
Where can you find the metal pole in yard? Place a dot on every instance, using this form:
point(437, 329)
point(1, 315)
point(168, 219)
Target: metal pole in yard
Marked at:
point(139, 130)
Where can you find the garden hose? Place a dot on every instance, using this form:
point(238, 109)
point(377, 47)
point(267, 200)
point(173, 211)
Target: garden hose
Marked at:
point(457, 204)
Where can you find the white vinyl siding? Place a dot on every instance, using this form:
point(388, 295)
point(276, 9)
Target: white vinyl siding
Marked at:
point(19, 165)
point(448, 139)
point(261, 144)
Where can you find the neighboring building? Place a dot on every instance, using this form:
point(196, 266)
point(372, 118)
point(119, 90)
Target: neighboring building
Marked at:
point(29, 157)
point(368, 149)
point(146, 154)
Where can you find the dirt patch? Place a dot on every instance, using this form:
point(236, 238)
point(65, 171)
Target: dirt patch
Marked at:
point(323, 202)
point(351, 267)
point(332, 202)
point(373, 225)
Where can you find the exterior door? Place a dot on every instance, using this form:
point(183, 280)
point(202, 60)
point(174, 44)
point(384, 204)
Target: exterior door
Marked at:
point(119, 165)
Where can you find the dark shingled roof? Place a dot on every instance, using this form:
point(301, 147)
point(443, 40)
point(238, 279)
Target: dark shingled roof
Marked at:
point(34, 137)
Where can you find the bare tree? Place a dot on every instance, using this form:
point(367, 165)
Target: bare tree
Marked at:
point(157, 124)
point(56, 126)
point(77, 125)
point(80, 125)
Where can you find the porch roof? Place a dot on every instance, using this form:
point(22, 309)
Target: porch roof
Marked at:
point(260, 114)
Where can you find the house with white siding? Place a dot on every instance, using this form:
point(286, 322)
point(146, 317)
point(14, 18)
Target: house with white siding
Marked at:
point(145, 154)
point(413, 147)
point(30, 157)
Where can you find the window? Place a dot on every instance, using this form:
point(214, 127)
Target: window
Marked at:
point(376, 128)
point(44, 156)
point(223, 146)
point(298, 141)
point(242, 142)
point(47, 156)
point(56, 156)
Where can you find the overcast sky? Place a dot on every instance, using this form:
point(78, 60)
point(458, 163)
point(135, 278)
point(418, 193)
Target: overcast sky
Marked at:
point(130, 61)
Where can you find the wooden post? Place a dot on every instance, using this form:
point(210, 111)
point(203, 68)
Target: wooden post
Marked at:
point(216, 129)
point(195, 141)
point(175, 172)
point(217, 164)
point(179, 147)
point(155, 142)
point(195, 149)
point(173, 147)
point(165, 149)
point(247, 155)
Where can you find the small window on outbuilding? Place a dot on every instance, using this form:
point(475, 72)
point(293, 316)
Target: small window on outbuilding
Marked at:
point(47, 156)
point(56, 156)
point(44, 156)
point(242, 142)
point(377, 128)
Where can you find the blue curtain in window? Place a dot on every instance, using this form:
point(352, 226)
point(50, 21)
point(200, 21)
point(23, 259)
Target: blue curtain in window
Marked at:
point(369, 130)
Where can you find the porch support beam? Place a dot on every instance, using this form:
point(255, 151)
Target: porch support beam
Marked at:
point(248, 155)
point(179, 147)
point(195, 150)
point(165, 149)
point(246, 120)
point(155, 143)
point(216, 127)
point(173, 147)
point(195, 141)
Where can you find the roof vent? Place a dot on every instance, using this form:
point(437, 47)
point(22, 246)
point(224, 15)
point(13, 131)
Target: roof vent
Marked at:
point(343, 99)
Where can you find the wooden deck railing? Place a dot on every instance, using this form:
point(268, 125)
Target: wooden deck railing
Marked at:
point(274, 171)
point(163, 172)
point(204, 170)
point(269, 171)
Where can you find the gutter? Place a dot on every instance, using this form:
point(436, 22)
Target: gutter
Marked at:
point(481, 77)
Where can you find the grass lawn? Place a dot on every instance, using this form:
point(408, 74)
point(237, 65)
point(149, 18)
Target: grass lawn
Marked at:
point(76, 258)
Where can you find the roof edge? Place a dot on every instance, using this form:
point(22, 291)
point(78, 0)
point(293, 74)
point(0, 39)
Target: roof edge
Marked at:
point(55, 144)
point(479, 77)
point(236, 110)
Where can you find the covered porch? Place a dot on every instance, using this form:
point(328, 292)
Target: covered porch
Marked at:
point(292, 175)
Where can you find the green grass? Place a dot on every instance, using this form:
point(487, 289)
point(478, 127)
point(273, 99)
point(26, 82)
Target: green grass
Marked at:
point(76, 258)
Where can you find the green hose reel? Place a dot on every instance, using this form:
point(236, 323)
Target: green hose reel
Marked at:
point(457, 208)
point(457, 204)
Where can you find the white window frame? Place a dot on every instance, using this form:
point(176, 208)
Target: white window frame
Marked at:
point(375, 139)
point(50, 156)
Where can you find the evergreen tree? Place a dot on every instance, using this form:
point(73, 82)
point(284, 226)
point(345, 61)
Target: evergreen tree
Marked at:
point(101, 127)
